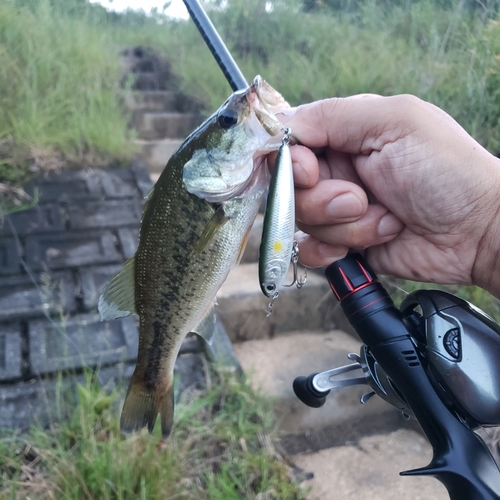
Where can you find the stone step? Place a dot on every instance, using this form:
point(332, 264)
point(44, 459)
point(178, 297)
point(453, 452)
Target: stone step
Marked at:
point(369, 468)
point(351, 450)
point(145, 81)
point(158, 100)
point(171, 125)
point(242, 305)
point(156, 153)
point(273, 364)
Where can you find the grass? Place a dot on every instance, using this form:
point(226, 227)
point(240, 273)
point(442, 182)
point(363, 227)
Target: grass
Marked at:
point(60, 77)
point(222, 447)
point(59, 86)
point(398, 289)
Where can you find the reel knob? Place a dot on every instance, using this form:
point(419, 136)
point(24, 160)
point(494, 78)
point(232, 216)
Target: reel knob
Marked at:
point(304, 390)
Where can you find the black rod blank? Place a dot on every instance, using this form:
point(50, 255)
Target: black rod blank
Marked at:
point(214, 42)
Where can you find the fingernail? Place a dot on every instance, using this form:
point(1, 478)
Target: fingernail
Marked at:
point(345, 205)
point(389, 224)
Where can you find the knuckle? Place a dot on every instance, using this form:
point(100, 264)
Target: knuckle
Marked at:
point(408, 102)
point(356, 235)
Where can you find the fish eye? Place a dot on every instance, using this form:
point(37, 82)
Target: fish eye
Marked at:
point(270, 287)
point(228, 118)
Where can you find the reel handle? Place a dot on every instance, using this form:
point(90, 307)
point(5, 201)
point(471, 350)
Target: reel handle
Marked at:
point(461, 460)
point(305, 391)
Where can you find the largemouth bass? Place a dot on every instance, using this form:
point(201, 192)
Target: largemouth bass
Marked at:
point(194, 230)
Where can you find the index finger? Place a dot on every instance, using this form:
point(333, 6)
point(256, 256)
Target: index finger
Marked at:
point(357, 124)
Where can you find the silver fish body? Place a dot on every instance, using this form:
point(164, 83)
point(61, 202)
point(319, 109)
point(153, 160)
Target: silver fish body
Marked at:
point(279, 225)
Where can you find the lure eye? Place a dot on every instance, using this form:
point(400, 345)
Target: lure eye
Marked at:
point(228, 118)
point(271, 287)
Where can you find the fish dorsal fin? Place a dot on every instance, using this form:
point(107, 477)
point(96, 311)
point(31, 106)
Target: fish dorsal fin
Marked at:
point(118, 297)
point(206, 327)
point(219, 218)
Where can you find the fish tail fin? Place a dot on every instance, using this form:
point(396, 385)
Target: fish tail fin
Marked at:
point(142, 406)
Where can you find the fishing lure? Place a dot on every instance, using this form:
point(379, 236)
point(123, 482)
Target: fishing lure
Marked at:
point(278, 248)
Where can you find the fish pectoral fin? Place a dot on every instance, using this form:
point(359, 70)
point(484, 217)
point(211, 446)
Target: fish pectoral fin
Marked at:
point(218, 219)
point(118, 297)
point(206, 327)
point(141, 407)
point(243, 245)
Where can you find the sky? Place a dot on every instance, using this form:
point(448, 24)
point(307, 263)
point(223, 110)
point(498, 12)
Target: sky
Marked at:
point(176, 8)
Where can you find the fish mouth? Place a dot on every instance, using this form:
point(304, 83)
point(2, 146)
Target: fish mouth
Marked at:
point(266, 102)
point(224, 168)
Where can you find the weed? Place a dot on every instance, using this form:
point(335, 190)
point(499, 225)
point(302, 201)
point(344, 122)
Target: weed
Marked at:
point(222, 447)
point(59, 74)
point(59, 81)
point(441, 52)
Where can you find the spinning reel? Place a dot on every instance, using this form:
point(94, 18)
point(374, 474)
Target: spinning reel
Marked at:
point(437, 359)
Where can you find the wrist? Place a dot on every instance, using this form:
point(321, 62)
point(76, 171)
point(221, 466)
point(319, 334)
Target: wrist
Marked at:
point(486, 269)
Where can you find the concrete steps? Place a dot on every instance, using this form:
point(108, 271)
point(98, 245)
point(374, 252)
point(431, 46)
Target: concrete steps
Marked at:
point(369, 468)
point(162, 119)
point(157, 152)
point(351, 450)
point(242, 306)
point(151, 100)
point(165, 125)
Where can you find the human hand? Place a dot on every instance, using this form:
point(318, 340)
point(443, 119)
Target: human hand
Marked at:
point(400, 178)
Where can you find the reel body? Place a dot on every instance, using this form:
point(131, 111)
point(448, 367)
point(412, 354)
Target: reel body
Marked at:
point(461, 345)
point(436, 359)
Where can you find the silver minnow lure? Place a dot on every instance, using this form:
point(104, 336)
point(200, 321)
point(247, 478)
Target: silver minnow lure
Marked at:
point(279, 224)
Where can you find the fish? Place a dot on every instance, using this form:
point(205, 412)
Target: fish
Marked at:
point(275, 252)
point(194, 229)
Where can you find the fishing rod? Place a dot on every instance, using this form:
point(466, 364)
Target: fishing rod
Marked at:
point(218, 48)
point(435, 358)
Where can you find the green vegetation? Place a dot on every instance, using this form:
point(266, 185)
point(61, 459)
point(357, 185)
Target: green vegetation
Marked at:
point(445, 55)
point(60, 76)
point(59, 83)
point(59, 71)
point(398, 290)
point(222, 448)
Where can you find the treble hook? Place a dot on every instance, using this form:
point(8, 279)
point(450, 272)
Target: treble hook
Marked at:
point(298, 281)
